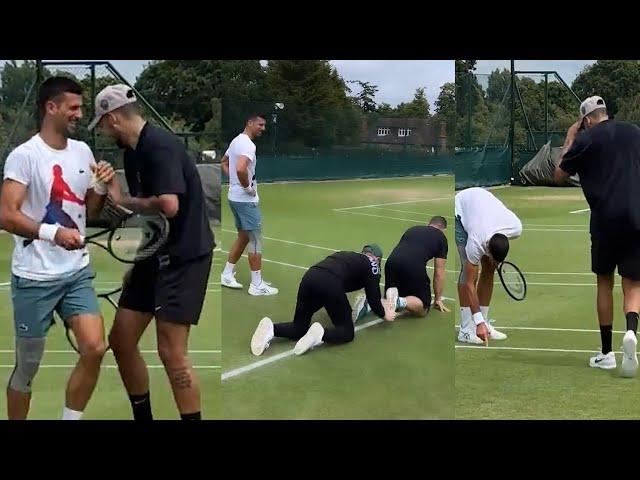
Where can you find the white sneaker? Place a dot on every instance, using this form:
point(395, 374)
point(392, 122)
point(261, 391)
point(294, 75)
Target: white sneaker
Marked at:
point(495, 334)
point(360, 308)
point(312, 338)
point(263, 289)
point(229, 281)
point(262, 336)
point(469, 336)
point(629, 357)
point(606, 362)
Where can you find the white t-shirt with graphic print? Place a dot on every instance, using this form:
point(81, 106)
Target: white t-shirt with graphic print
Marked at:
point(57, 182)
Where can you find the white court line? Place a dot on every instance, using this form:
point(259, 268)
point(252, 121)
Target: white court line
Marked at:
point(394, 203)
point(278, 263)
point(289, 242)
point(5, 284)
point(553, 225)
point(261, 363)
point(381, 216)
point(426, 214)
point(288, 353)
point(528, 349)
point(580, 211)
point(554, 230)
point(553, 329)
point(202, 367)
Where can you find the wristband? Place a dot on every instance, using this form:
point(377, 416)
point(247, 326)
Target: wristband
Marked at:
point(48, 232)
point(478, 318)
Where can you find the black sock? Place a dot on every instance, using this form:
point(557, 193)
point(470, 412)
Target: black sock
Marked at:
point(141, 406)
point(632, 321)
point(605, 336)
point(191, 416)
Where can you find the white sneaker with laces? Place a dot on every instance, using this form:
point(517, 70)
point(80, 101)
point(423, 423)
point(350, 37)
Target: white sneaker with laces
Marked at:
point(606, 362)
point(311, 339)
point(262, 336)
point(263, 289)
point(230, 281)
point(495, 334)
point(469, 336)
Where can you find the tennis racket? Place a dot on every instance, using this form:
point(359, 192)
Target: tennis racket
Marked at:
point(112, 297)
point(513, 281)
point(131, 238)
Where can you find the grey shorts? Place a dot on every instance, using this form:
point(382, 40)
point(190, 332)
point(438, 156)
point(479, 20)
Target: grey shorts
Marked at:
point(34, 301)
point(247, 215)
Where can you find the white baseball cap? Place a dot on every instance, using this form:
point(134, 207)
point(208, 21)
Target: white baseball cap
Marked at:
point(591, 104)
point(111, 98)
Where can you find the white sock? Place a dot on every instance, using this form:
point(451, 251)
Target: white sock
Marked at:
point(485, 313)
point(228, 268)
point(68, 414)
point(465, 317)
point(401, 304)
point(256, 277)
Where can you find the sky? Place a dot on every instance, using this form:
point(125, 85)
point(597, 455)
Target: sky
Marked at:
point(397, 80)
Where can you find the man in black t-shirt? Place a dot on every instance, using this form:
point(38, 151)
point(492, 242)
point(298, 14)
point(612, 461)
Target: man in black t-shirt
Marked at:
point(172, 285)
point(606, 156)
point(325, 285)
point(407, 284)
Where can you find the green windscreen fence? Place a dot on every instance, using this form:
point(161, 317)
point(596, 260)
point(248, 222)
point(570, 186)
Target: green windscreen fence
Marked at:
point(303, 142)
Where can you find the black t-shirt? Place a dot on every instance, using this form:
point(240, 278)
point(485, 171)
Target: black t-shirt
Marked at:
point(356, 271)
point(420, 244)
point(160, 165)
point(607, 159)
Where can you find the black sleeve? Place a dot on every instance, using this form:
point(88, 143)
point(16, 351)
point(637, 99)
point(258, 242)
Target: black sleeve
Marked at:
point(372, 290)
point(164, 172)
point(444, 248)
point(571, 159)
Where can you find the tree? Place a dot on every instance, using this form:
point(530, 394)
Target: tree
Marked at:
point(613, 80)
point(184, 88)
point(446, 110)
point(366, 97)
point(417, 108)
point(629, 110)
point(317, 110)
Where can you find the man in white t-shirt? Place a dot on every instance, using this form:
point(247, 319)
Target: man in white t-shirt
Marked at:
point(239, 163)
point(484, 226)
point(51, 184)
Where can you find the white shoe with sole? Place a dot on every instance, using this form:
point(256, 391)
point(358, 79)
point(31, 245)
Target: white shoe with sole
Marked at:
point(262, 336)
point(606, 362)
point(629, 357)
point(495, 334)
point(469, 336)
point(229, 281)
point(311, 339)
point(263, 289)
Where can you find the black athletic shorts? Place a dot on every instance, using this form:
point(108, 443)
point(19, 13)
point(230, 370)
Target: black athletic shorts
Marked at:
point(609, 251)
point(172, 290)
point(409, 278)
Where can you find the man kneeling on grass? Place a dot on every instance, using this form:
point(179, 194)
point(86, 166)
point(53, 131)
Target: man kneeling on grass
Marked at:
point(326, 285)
